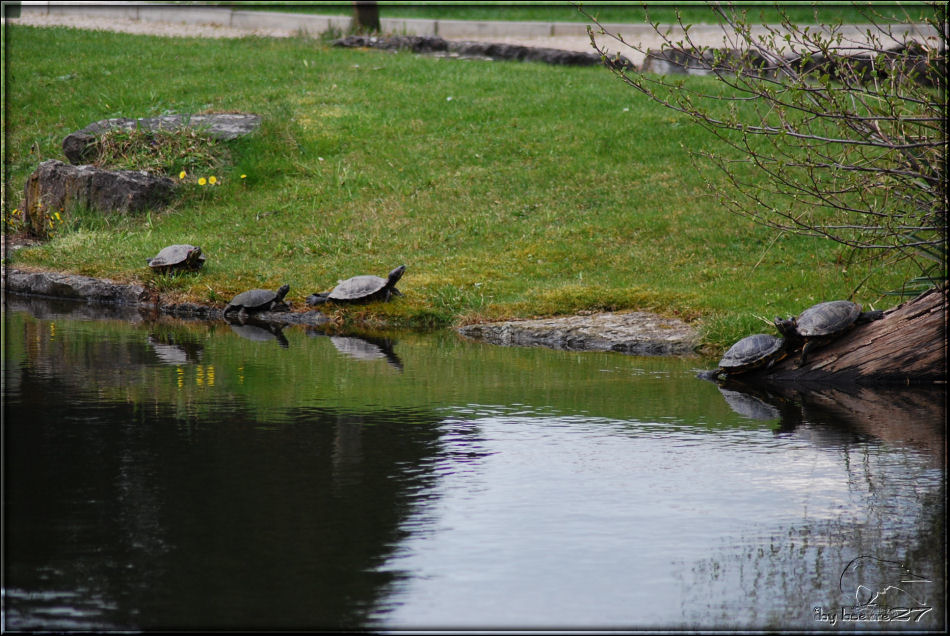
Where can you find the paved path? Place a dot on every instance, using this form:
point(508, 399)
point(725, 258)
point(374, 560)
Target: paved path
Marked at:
point(223, 22)
point(220, 22)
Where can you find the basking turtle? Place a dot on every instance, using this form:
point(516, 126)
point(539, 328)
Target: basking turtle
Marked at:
point(174, 257)
point(258, 300)
point(361, 289)
point(752, 352)
point(822, 323)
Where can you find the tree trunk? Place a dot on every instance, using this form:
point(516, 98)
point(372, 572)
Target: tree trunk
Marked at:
point(366, 15)
point(907, 346)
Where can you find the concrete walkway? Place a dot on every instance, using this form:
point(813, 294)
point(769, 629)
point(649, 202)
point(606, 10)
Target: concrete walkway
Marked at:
point(219, 21)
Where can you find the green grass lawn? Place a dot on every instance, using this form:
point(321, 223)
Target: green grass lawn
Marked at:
point(508, 189)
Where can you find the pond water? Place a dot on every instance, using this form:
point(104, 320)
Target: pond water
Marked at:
point(161, 474)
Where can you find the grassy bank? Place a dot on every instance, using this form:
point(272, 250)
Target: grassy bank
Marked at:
point(508, 189)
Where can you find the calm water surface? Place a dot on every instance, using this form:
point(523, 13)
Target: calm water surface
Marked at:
point(160, 474)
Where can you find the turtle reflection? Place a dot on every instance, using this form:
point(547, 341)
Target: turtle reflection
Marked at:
point(844, 414)
point(260, 332)
point(749, 406)
point(366, 348)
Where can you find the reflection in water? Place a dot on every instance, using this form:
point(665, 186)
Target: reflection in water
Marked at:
point(884, 550)
point(749, 405)
point(224, 523)
point(161, 475)
point(364, 348)
point(263, 332)
point(170, 348)
point(908, 415)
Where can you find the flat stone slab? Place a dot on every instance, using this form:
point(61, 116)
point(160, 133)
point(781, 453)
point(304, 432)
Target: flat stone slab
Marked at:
point(634, 333)
point(79, 147)
point(72, 286)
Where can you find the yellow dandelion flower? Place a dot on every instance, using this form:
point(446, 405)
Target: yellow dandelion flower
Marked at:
point(244, 176)
point(212, 179)
point(182, 174)
point(202, 181)
point(58, 217)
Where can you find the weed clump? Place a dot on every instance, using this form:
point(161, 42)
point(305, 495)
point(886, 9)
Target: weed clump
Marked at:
point(160, 151)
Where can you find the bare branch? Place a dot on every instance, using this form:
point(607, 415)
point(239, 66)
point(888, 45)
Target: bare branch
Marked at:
point(839, 131)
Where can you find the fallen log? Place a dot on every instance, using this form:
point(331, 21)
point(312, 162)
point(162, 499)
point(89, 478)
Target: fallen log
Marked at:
point(908, 346)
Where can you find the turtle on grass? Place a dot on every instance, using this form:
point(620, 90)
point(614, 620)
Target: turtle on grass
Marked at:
point(820, 324)
point(177, 257)
point(361, 289)
point(256, 300)
point(752, 352)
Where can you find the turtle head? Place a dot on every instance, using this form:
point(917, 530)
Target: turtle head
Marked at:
point(193, 255)
point(282, 291)
point(787, 327)
point(396, 274)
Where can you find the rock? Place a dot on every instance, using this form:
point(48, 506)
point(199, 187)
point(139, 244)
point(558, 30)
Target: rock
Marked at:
point(414, 43)
point(670, 61)
point(55, 285)
point(910, 60)
point(524, 53)
point(634, 333)
point(79, 147)
point(57, 187)
point(488, 50)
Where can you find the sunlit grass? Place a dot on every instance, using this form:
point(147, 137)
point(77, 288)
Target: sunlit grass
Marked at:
point(508, 189)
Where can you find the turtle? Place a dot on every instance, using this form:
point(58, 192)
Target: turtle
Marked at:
point(820, 324)
point(752, 352)
point(361, 289)
point(258, 300)
point(181, 256)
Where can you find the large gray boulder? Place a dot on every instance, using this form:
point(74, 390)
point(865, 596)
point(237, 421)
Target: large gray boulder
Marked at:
point(79, 147)
point(57, 187)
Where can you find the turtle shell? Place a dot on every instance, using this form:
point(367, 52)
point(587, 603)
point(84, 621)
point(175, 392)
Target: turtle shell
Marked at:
point(367, 287)
point(752, 352)
point(358, 287)
point(827, 319)
point(258, 298)
point(182, 255)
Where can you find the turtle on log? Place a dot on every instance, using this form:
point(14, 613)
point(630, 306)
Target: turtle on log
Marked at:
point(361, 289)
point(820, 324)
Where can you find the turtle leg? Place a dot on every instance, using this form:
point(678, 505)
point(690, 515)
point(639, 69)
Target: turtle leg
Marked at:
point(805, 349)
